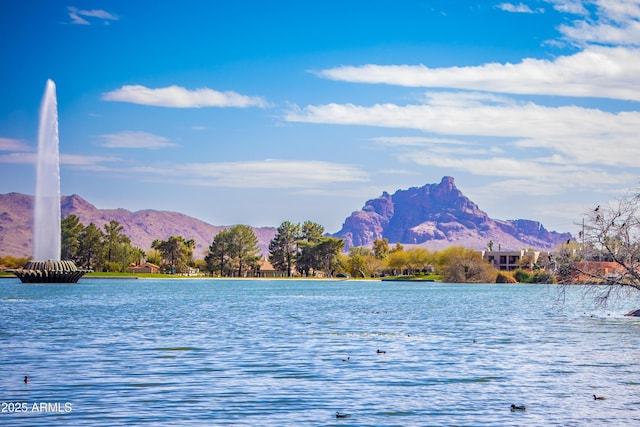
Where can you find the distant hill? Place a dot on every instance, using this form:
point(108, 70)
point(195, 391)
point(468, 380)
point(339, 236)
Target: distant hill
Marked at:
point(142, 227)
point(439, 215)
point(434, 216)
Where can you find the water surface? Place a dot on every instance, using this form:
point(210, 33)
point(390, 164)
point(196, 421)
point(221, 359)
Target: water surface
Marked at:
point(270, 353)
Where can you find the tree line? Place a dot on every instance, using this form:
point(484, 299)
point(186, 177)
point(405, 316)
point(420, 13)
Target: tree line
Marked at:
point(297, 249)
point(610, 235)
point(90, 247)
point(303, 249)
point(300, 249)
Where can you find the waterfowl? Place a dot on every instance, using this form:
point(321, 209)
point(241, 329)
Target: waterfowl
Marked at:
point(518, 408)
point(347, 359)
point(598, 397)
point(339, 415)
point(381, 352)
point(26, 379)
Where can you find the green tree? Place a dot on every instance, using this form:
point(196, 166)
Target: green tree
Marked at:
point(311, 234)
point(244, 248)
point(397, 261)
point(190, 246)
point(138, 255)
point(176, 252)
point(326, 252)
point(200, 264)
point(418, 259)
point(311, 231)
point(381, 248)
point(357, 261)
point(284, 248)
point(154, 257)
point(234, 251)
point(219, 257)
point(113, 237)
point(363, 263)
point(131, 255)
point(70, 228)
point(123, 255)
point(90, 246)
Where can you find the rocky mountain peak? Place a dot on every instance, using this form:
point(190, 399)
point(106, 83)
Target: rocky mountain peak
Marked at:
point(438, 215)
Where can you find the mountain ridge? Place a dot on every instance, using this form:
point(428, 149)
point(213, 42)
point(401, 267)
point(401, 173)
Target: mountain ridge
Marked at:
point(440, 215)
point(142, 227)
point(433, 216)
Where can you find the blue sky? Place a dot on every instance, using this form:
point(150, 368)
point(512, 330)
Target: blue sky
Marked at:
point(259, 112)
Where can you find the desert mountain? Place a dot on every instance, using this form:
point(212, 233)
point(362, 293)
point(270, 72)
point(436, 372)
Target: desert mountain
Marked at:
point(142, 227)
point(439, 215)
point(434, 216)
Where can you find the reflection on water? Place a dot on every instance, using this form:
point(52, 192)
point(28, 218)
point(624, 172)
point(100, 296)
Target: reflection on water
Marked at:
point(270, 353)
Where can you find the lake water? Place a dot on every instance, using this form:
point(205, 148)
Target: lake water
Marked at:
point(270, 353)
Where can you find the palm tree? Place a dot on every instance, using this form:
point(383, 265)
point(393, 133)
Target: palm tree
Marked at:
point(113, 237)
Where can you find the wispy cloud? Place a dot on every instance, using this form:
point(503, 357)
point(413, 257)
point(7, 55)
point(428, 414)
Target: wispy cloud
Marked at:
point(415, 141)
point(549, 178)
point(613, 23)
point(180, 97)
point(518, 8)
point(134, 139)
point(286, 174)
point(575, 7)
point(594, 72)
point(9, 144)
point(18, 158)
point(92, 162)
point(78, 16)
point(574, 131)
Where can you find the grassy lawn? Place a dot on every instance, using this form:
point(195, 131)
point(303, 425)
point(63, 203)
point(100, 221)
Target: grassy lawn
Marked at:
point(120, 275)
point(114, 275)
point(416, 278)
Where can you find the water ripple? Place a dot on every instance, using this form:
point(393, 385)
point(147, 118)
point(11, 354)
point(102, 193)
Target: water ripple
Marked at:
point(270, 353)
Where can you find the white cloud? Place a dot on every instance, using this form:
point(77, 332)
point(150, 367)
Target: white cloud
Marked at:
point(18, 158)
point(78, 16)
point(523, 120)
point(9, 144)
point(585, 136)
point(133, 139)
point(518, 8)
point(257, 174)
point(537, 176)
point(415, 141)
point(91, 162)
point(593, 72)
point(179, 97)
point(614, 22)
point(582, 31)
point(575, 7)
point(437, 146)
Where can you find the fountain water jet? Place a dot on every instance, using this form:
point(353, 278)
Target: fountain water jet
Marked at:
point(46, 266)
point(46, 217)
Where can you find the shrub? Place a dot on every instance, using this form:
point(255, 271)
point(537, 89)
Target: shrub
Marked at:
point(543, 277)
point(505, 277)
point(523, 276)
